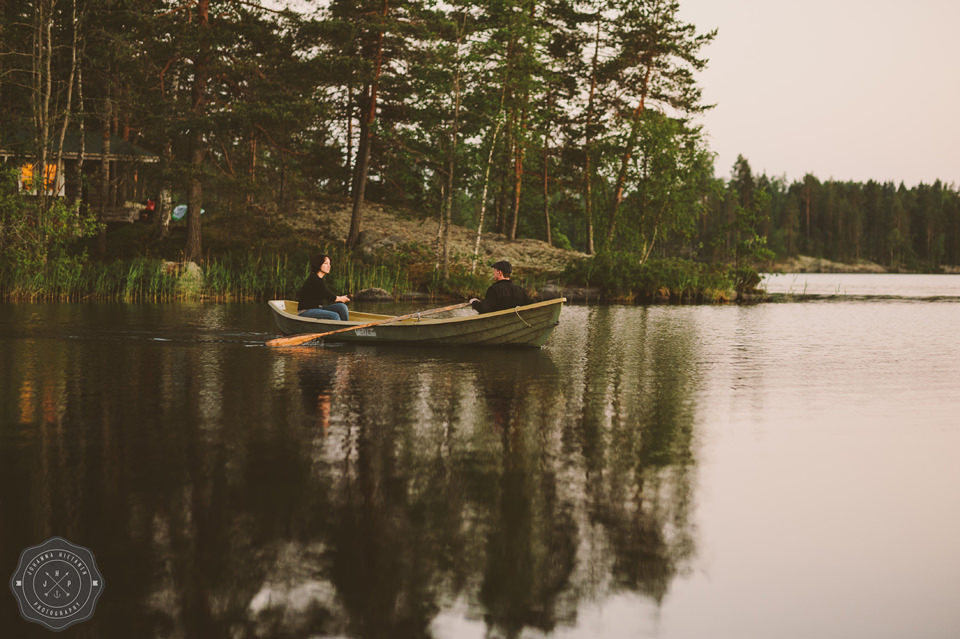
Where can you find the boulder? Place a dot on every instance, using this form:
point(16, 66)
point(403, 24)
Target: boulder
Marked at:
point(373, 295)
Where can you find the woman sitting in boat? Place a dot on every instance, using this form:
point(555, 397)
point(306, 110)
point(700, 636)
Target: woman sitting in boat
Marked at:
point(503, 293)
point(315, 298)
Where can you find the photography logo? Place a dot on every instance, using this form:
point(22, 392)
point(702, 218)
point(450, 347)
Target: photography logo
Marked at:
point(57, 584)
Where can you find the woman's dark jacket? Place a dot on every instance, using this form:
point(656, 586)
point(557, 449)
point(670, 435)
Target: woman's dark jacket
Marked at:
point(314, 293)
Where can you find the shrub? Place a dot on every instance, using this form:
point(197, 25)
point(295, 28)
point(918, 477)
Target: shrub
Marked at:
point(621, 277)
point(39, 240)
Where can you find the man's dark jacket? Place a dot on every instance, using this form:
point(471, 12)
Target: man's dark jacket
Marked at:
point(501, 295)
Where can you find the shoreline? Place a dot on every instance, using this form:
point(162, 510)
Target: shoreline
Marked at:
point(808, 264)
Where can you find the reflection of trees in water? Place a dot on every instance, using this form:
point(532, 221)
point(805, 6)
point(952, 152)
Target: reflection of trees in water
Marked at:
point(440, 488)
point(484, 475)
point(531, 548)
point(636, 436)
point(382, 564)
point(363, 492)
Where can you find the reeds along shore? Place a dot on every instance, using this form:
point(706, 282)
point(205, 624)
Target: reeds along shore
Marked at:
point(258, 278)
point(155, 280)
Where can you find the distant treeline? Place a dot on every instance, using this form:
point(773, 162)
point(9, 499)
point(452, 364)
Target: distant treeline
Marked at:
point(895, 226)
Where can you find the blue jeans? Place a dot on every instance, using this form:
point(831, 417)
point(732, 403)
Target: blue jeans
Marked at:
point(335, 311)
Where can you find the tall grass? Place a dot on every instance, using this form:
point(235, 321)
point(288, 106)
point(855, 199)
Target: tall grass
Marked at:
point(258, 277)
point(62, 279)
point(230, 277)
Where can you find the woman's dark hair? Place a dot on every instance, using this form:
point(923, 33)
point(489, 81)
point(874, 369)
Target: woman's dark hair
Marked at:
point(317, 261)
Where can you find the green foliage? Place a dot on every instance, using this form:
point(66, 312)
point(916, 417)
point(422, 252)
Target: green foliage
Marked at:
point(39, 240)
point(899, 228)
point(560, 240)
point(257, 106)
point(750, 247)
point(622, 278)
point(668, 175)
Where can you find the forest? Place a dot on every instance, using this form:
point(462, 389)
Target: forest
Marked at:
point(569, 121)
point(900, 228)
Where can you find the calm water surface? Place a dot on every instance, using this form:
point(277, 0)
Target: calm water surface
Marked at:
point(780, 470)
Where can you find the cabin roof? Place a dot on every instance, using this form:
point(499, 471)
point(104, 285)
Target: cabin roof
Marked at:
point(19, 145)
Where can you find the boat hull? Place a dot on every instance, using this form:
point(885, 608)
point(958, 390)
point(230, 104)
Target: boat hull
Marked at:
point(528, 325)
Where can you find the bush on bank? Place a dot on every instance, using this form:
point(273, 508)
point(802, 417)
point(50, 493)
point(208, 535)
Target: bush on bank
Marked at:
point(621, 278)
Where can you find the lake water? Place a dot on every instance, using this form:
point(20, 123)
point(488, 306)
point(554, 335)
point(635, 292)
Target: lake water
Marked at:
point(776, 470)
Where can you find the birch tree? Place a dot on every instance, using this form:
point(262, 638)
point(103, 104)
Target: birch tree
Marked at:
point(652, 67)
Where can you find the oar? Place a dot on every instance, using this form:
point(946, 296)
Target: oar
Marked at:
point(308, 337)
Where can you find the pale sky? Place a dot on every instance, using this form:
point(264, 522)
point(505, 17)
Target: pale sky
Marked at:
point(843, 89)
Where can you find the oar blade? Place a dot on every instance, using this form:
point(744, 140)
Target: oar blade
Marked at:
point(294, 340)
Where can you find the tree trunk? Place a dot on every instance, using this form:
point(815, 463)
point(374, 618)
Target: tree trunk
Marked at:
point(81, 126)
point(43, 91)
point(360, 186)
point(646, 253)
point(193, 251)
point(517, 186)
point(588, 166)
point(545, 175)
point(363, 151)
point(447, 209)
point(483, 198)
point(546, 190)
point(164, 207)
point(253, 168)
point(628, 153)
point(69, 99)
point(518, 152)
point(104, 179)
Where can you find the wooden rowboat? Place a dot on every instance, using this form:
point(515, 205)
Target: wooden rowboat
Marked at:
point(528, 325)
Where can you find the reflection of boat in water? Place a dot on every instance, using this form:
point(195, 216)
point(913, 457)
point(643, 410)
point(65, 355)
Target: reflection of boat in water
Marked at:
point(528, 325)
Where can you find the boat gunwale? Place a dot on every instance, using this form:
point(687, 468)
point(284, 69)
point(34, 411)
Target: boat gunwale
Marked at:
point(413, 321)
